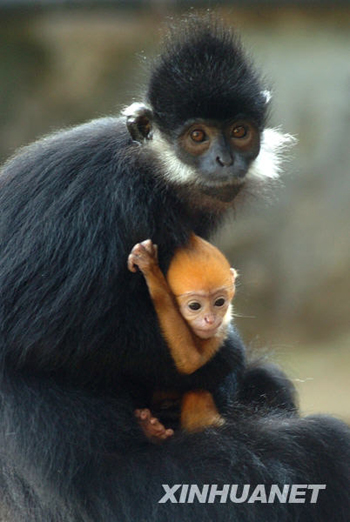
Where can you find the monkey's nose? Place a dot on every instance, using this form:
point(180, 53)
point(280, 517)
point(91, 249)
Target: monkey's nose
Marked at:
point(209, 319)
point(224, 161)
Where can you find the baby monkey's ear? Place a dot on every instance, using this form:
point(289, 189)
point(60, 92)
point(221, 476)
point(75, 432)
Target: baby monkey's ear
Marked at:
point(234, 275)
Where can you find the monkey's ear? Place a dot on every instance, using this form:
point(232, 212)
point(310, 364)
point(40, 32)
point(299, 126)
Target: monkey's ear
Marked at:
point(234, 275)
point(139, 119)
point(267, 95)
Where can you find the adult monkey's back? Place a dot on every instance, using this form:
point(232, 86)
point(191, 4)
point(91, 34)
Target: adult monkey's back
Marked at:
point(79, 338)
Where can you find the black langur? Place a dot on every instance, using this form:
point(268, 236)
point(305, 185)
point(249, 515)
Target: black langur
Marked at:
point(80, 345)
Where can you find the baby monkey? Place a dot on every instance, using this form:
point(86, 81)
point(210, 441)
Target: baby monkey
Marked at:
point(193, 305)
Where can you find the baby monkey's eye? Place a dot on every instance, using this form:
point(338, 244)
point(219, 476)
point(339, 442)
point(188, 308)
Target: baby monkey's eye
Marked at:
point(194, 306)
point(220, 302)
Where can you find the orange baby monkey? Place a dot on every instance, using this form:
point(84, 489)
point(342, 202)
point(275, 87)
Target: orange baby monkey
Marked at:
point(193, 305)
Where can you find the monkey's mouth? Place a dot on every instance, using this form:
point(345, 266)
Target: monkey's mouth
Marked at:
point(225, 193)
point(206, 333)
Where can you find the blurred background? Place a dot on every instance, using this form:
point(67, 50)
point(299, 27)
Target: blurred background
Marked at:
point(64, 62)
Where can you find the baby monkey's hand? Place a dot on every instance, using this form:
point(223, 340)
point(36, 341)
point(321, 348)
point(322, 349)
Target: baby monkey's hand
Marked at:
point(143, 256)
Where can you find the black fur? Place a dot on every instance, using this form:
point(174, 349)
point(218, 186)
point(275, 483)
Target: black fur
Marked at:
point(265, 386)
point(204, 73)
point(80, 349)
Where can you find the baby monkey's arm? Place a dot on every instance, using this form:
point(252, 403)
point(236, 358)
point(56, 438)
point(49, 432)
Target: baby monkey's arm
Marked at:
point(188, 352)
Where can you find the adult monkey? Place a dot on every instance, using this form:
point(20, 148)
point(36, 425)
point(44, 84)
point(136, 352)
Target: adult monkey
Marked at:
point(79, 342)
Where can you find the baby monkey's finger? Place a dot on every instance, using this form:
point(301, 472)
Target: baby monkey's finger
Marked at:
point(148, 246)
point(155, 251)
point(132, 266)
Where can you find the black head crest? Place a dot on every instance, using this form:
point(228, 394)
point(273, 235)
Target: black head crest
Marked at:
point(204, 73)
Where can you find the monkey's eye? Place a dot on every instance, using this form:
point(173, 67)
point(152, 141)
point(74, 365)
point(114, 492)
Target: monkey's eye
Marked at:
point(239, 132)
point(194, 306)
point(198, 135)
point(220, 302)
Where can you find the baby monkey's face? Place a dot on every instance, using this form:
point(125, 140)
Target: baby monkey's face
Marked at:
point(206, 311)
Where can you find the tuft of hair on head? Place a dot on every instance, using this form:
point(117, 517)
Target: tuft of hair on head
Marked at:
point(204, 73)
point(199, 265)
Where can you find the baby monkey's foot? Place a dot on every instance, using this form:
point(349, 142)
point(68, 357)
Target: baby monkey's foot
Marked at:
point(143, 256)
point(151, 427)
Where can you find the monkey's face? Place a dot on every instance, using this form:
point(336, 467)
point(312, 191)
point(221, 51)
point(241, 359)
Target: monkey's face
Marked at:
point(211, 160)
point(206, 312)
point(212, 156)
point(220, 152)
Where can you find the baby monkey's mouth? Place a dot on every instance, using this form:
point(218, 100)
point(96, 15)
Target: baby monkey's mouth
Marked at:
point(207, 332)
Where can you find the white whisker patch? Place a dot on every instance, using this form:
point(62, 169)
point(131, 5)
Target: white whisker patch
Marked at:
point(173, 169)
point(268, 164)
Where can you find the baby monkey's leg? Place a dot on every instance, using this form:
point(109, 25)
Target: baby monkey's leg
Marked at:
point(151, 426)
point(198, 411)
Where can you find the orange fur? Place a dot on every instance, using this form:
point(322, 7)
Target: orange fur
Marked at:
point(198, 411)
point(197, 268)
